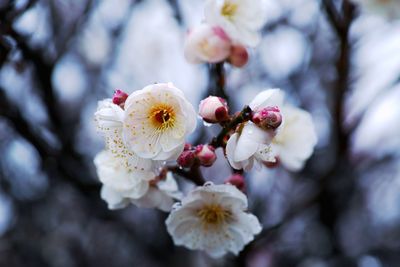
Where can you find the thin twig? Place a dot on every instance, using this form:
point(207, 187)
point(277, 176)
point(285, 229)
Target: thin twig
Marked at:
point(193, 174)
point(243, 116)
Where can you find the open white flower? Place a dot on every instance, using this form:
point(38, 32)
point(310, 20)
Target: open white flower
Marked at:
point(157, 120)
point(294, 143)
point(213, 218)
point(109, 118)
point(161, 195)
point(251, 145)
point(387, 8)
point(120, 184)
point(240, 19)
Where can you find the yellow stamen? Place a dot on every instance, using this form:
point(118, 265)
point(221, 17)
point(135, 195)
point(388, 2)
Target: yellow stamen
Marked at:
point(229, 9)
point(162, 116)
point(214, 215)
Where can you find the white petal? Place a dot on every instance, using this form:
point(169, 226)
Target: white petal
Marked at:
point(250, 140)
point(155, 198)
point(297, 138)
point(113, 199)
point(267, 98)
point(230, 151)
point(170, 155)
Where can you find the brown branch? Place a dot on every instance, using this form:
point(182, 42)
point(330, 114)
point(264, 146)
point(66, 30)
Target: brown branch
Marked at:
point(334, 16)
point(243, 116)
point(11, 112)
point(193, 174)
point(337, 186)
point(217, 81)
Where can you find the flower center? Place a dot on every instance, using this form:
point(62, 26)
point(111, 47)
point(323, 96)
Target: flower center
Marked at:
point(214, 215)
point(229, 9)
point(162, 117)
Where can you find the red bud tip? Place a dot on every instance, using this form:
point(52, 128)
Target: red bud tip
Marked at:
point(119, 97)
point(238, 181)
point(267, 118)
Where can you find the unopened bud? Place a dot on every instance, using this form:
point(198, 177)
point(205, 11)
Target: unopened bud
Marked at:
point(214, 109)
point(186, 159)
point(206, 155)
point(267, 118)
point(236, 180)
point(239, 56)
point(188, 146)
point(119, 97)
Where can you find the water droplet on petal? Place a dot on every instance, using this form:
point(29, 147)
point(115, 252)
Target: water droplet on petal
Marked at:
point(176, 206)
point(207, 124)
point(208, 183)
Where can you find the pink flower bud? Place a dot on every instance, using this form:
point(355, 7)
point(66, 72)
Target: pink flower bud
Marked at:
point(119, 97)
point(239, 56)
point(206, 155)
point(214, 109)
point(267, 118)
point(207, 43)
point(187, 158)
point(188, 146)
point(237, 180)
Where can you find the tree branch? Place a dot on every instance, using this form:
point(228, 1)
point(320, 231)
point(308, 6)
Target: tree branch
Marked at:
point(243, 116)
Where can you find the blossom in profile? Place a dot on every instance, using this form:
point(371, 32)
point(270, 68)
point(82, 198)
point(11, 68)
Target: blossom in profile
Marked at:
point(206, 43)
point(109, 120)
point(251, 145)
point(120, 184)
point(295, 141)
point(242, 20)
point(213, 218)
point(386, 8)
point(157, 120)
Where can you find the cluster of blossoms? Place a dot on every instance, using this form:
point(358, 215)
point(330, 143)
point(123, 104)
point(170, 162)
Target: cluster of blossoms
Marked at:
point(145, 136)
point(229, 27)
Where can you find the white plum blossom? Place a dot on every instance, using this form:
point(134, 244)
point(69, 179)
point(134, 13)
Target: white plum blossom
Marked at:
point(157, 120)
point(251, 145)
point(120, 184)
point(241, 19)
point(213, 218)
point(386, 8)
point(161, 195)
point(109, 119)
point(207, 43)
point(295, 141)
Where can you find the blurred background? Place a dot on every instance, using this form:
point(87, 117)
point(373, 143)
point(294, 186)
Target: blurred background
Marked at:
point(59, 57)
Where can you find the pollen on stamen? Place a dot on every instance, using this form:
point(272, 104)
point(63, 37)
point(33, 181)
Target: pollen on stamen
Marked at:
point(162, 117)
point(214, 215)
point(229, 9)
